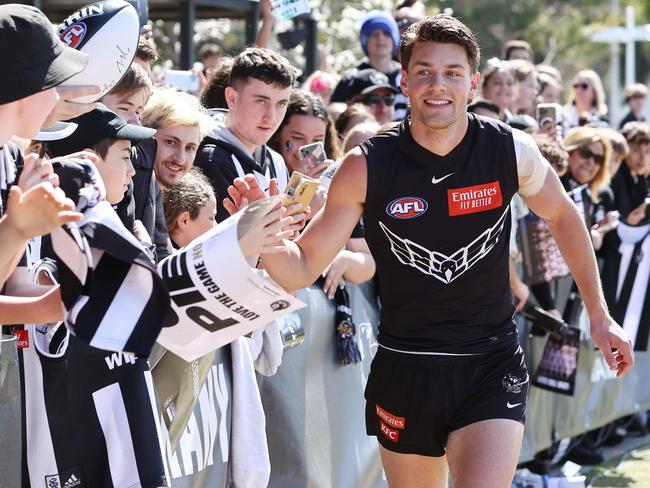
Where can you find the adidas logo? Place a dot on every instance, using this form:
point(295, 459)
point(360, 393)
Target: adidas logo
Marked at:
point(72, 481)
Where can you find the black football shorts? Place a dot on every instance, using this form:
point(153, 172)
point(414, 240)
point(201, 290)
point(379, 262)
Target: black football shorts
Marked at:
point(413, 401)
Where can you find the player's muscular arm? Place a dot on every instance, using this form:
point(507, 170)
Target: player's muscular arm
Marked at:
point(303, 261)
point(569, 231)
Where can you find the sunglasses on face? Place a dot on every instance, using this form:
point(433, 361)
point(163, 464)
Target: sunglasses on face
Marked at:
point(582, 86)
point(375, 99)
point(585, 153)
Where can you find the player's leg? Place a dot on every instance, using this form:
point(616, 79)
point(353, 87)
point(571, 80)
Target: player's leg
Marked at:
point(485, 453)
point(413, 470)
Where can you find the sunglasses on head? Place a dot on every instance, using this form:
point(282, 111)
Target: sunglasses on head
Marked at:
point(374, 99)
point(585, 153)
point(582, 86)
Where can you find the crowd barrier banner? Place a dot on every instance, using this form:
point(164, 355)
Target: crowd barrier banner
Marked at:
point(314, 406)
point(202, 454)
point(10, 413)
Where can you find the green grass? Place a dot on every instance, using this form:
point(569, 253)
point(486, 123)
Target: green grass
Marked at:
point(629, 470)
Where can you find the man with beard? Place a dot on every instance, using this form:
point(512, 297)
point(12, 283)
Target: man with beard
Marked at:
point(180, 126)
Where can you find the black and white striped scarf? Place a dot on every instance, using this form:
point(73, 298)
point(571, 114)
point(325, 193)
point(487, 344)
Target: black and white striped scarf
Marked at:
point(113, 297)
point(626, 278)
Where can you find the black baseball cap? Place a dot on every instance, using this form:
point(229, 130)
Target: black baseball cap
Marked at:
point(95, 126)
point(32, 56)
point(365, 81)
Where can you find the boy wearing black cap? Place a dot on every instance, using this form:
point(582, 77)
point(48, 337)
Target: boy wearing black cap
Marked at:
point(110, 138)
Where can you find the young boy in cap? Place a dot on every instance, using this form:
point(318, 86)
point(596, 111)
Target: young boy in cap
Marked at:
point(110, 138)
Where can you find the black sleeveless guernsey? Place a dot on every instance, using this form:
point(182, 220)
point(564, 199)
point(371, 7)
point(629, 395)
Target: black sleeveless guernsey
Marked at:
point(438, 228)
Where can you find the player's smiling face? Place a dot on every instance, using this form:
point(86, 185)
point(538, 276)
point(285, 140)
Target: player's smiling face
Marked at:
point(439, 83)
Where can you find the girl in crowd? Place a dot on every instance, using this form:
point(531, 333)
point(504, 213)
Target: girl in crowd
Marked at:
point(354, 115)
point(587, 102)
point(306, 121)
point(500, 87)
point(190, 208)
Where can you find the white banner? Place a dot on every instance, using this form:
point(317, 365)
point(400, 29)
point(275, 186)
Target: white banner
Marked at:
point(215, 296)
point(288, 9)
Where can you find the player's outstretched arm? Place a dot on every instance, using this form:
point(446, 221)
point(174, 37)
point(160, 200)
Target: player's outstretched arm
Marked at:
point(569, 231)
point(326, 234)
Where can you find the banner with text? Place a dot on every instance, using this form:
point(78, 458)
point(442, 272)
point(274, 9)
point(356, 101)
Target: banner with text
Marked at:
point(215, 296)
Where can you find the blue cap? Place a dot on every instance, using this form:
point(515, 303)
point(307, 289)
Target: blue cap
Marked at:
point(378, 19)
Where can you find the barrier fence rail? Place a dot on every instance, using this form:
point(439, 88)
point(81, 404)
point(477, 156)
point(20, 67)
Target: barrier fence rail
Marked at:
point(314, 407)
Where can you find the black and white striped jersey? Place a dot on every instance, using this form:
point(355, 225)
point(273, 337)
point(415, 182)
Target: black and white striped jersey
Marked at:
point(89, 416)
point(626, 279)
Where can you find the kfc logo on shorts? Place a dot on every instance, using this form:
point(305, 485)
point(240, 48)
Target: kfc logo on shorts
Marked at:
point(390, 434)
point(74, 34)
point(390, 419)
point(407, 207)
point(472, 199)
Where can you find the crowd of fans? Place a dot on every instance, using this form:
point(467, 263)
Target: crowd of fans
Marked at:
point(169, 167)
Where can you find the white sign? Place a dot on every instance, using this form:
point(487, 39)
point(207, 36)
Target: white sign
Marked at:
point(215, 296)
point(288, 9)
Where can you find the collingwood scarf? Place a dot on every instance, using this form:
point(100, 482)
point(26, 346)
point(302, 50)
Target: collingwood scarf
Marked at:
point(626, 274)
point(113, 297)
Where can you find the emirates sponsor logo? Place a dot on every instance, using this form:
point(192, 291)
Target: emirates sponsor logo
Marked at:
point(472, 199)
point(390, 419)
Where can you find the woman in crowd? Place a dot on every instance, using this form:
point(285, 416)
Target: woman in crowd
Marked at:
point(587, 180)
point(587, 103)
point(500, 87)
point(306, 122)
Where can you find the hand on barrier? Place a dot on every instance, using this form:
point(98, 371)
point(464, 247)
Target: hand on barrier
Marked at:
point(65, 109)
point(614, 343)
point(39, 210)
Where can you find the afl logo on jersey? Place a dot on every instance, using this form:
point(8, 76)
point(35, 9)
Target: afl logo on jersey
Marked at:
point(407, 207)
point(74, 34)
